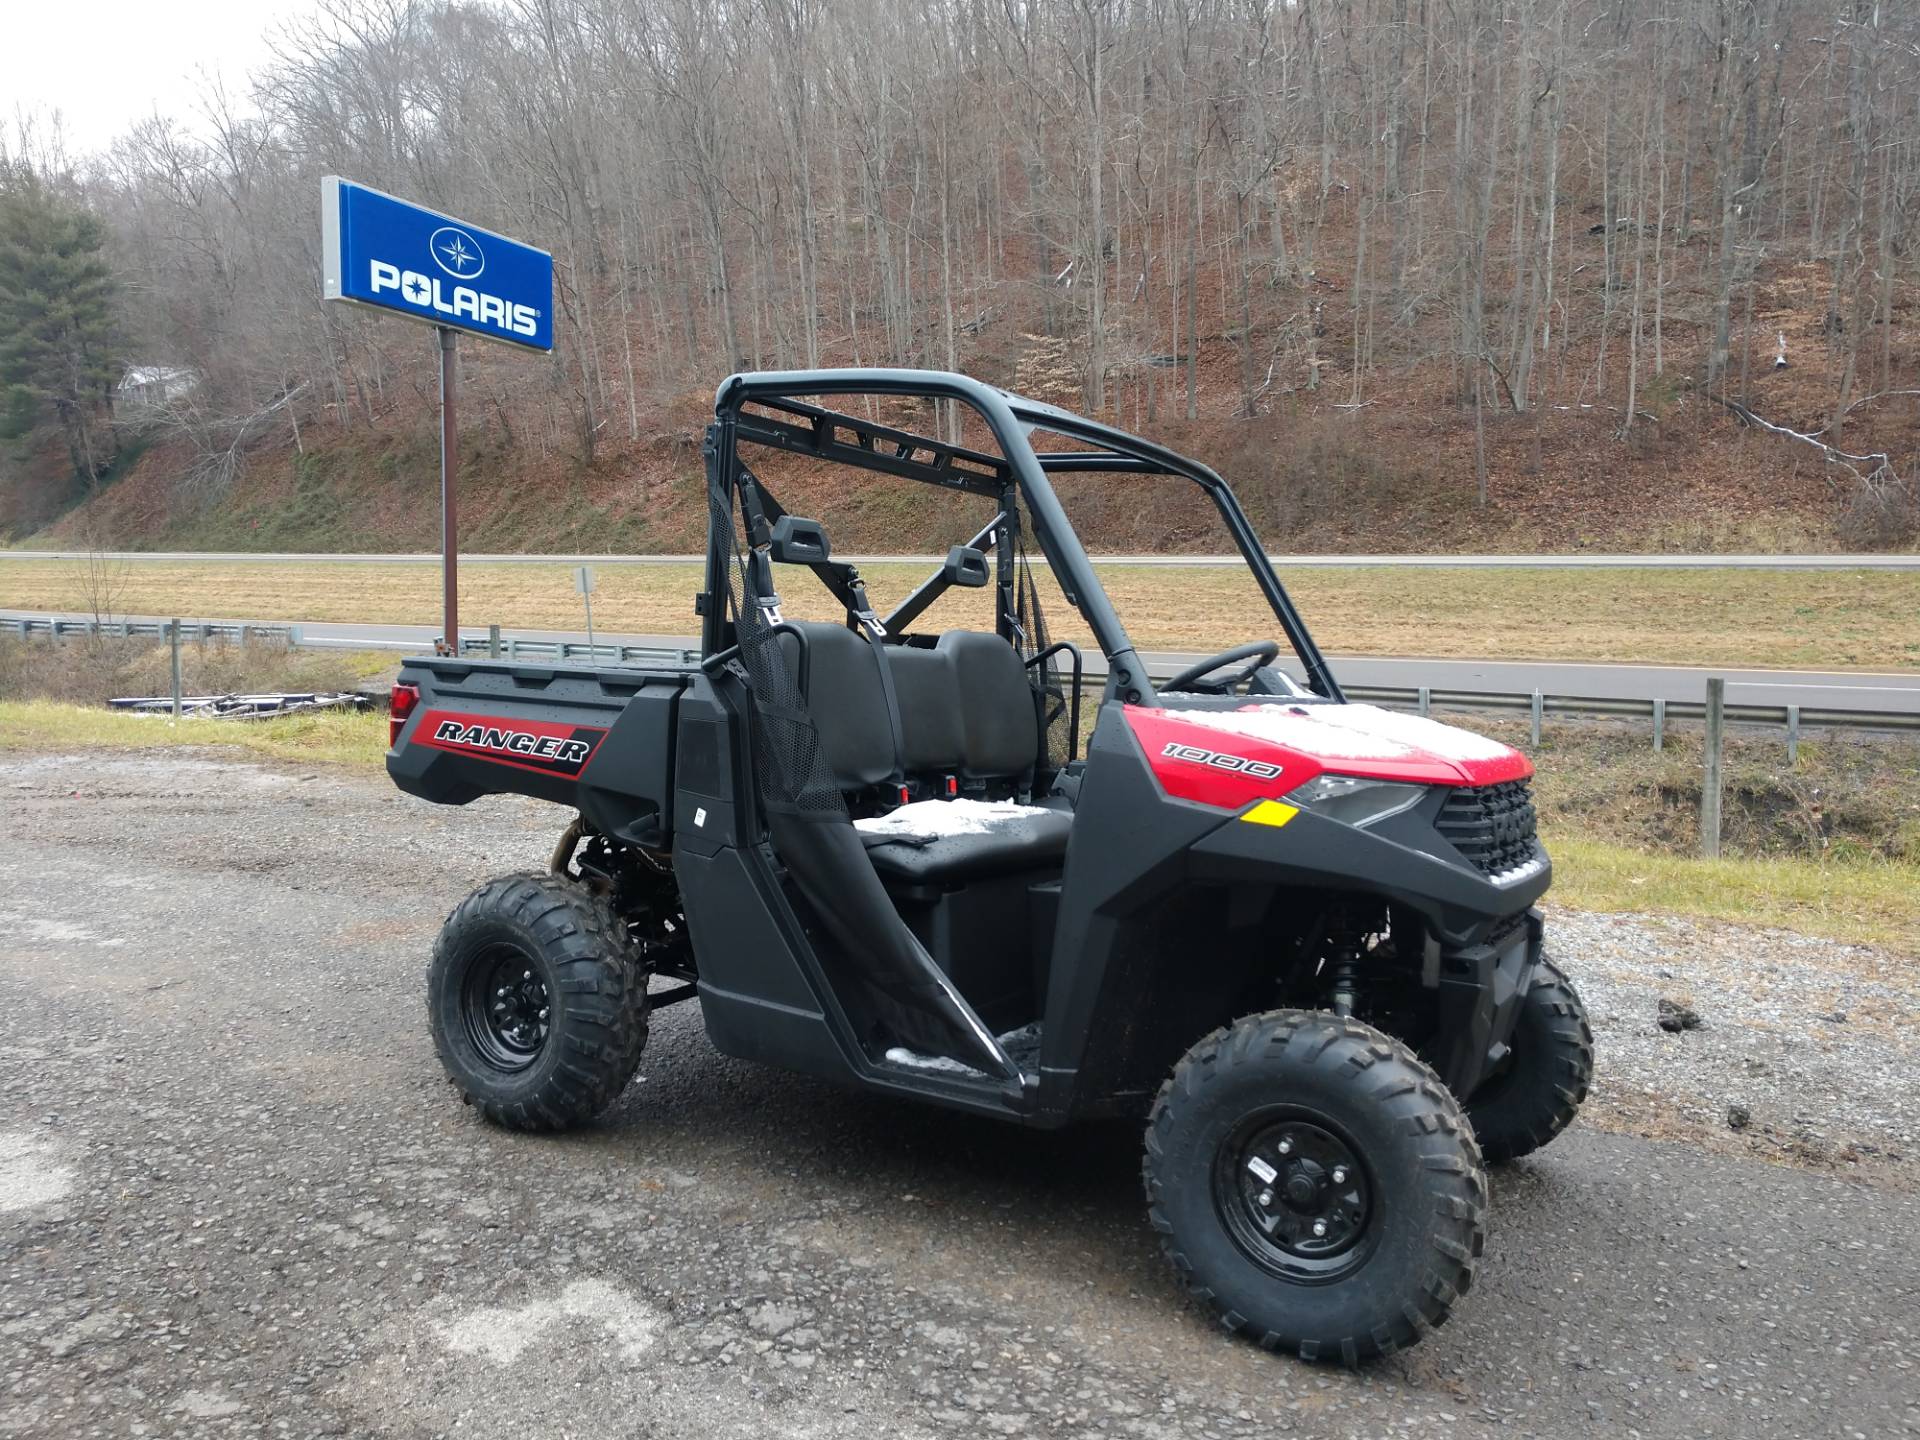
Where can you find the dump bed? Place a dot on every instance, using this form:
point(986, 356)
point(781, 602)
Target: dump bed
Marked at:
point(599, 739)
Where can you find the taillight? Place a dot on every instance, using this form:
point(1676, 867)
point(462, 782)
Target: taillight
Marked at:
point(405, 697)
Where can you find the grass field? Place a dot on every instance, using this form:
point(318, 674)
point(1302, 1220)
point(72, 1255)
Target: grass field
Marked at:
point(1860, 901)
point(1796, 619)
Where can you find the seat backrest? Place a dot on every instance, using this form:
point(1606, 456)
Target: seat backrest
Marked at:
point(999, 724)
point(932, 741)
point(966, 708)
point(849, 707)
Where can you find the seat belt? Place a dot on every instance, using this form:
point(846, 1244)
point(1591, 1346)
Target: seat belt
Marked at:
point(876, 636)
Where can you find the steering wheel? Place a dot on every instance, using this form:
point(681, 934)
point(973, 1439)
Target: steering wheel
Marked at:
point(1261, 652)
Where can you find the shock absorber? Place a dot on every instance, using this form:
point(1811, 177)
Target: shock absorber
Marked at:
point(1343, 962)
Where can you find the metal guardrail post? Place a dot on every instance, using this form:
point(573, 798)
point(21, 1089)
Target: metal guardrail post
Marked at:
point(493, 642)
point(173, 635)
point(1533, 730)
point(1793, 735)
point(1659, 725)
point(1710, 786)
point(1426, 700)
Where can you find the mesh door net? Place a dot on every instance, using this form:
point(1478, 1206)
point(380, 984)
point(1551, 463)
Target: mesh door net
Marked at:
point(907, 998)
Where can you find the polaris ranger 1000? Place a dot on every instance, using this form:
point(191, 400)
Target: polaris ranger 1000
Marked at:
point(1294, 934)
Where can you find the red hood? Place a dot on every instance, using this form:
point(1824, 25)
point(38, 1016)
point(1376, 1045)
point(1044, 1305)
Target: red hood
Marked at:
point(1231, 757)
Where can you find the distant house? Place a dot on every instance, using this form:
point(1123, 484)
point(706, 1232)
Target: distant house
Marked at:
point(145, 386)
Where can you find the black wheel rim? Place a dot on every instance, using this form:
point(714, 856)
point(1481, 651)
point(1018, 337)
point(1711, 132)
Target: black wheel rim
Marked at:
point(1292, 1191)
point(507, 1006)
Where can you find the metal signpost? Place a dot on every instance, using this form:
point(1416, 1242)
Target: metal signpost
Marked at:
point(392, 255)
point(583, 582)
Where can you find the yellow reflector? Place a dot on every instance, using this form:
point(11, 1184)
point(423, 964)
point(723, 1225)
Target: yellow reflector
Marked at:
point(1270, 812)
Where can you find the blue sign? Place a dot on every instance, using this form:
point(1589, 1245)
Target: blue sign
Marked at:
point(377, 250)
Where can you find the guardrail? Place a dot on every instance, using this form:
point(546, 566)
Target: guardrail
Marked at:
point(54, 626)
point(1791, 719)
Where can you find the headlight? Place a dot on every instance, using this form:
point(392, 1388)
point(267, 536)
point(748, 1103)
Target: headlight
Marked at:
point(1355, 801)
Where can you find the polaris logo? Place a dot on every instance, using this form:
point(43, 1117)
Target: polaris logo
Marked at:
point(1238, 764)
point(429, 292)
point(457, 252)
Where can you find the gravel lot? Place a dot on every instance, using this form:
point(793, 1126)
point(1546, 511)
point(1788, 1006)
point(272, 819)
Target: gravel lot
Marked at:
point(237, 1197)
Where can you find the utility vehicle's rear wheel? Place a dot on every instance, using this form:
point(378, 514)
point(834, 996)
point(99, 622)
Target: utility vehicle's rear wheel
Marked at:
point(537, 1002)
point(1315, 1184)
point(1540, 1089)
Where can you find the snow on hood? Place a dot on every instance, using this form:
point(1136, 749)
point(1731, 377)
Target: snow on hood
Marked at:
point(1349, 732)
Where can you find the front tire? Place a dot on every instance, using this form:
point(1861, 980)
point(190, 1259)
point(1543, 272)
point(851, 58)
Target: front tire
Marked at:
point(1545, 1080)
point(1244, 1145)
point(537, 1002)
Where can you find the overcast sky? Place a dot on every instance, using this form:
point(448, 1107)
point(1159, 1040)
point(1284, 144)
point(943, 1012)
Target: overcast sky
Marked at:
point(105, 64)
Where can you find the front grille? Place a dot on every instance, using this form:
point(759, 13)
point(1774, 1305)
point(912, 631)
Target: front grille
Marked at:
point(1492, 825)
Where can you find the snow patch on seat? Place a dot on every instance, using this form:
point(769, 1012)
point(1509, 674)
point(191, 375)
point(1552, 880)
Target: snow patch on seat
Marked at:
point(938, 819)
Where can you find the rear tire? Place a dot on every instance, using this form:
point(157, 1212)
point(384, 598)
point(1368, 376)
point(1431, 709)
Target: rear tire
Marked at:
point(1536, 1097)
point(1309, 1096)
point(537, 1002)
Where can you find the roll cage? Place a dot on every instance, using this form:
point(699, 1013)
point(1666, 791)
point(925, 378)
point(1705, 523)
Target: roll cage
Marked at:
point(783, 417)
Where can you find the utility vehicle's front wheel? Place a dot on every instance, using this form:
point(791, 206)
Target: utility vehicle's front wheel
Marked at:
point(537, 1002)
point(1546, 1076)
point(1315, 1184)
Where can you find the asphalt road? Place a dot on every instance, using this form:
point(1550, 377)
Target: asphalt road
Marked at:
point(1894, 691)
point(237, 1198)
point(1469, 562)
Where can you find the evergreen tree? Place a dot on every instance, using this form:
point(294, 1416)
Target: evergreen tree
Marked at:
point(56, 319)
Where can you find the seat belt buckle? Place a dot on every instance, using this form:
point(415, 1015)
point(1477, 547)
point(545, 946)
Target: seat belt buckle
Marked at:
point(952, 786)
point(905, 795)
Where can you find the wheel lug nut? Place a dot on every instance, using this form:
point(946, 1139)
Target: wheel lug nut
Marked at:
point(1319, 1227)
point(1339, 1176)
point(1266, 1198)
point(1285, 1147)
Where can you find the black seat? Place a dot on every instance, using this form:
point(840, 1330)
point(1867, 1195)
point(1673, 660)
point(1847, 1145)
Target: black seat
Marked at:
point(1034, 838)
point(966, 711)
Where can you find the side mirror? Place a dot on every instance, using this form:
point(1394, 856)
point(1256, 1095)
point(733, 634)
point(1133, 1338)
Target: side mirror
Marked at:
point(799, 542)
point(965, 566)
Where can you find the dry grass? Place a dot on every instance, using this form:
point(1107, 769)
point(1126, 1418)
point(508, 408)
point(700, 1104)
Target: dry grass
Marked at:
point(1814, 619)
point(1861, 902)
point(354, 740)
point(94, 671)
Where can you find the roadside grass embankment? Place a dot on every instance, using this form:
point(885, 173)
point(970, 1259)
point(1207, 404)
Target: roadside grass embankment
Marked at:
point(1794, 619)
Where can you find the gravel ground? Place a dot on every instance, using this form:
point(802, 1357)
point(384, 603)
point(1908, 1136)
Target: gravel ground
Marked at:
point(1804, 1055)
point(237, 1197)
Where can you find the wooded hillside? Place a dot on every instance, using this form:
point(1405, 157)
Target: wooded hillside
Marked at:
point(1493, 258)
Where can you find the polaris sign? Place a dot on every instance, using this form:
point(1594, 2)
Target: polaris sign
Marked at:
point(377, 250)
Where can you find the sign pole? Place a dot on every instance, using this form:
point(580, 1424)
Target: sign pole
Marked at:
point(386, 253)
point(449, 490)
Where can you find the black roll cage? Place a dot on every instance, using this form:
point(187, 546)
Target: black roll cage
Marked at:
point(1019, 472)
